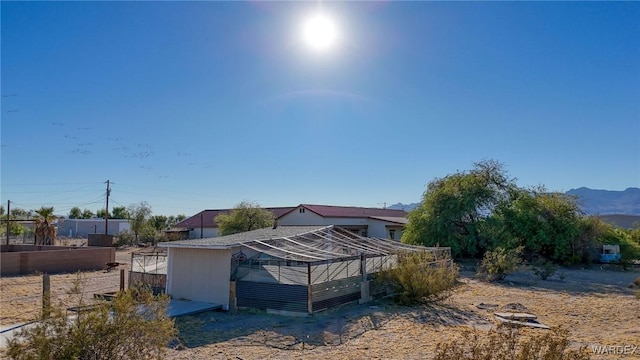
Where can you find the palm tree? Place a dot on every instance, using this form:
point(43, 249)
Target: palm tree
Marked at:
point(45, 231)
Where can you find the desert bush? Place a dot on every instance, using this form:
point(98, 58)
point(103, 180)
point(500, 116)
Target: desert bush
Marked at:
point(562, 275)
point(500, 262)
point(543, 269)
point(132, 326)
point(416, 279)
point(124, 238)
point(506, 343)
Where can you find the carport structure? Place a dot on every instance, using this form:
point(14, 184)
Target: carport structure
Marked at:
point(299, 269)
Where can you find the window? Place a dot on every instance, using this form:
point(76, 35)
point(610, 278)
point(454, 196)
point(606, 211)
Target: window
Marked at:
point(301, 210)
point(392, 234)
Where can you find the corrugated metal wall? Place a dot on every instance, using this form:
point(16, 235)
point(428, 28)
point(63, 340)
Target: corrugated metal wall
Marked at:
point(335, 293)
point(272, 296)
point(295, 297)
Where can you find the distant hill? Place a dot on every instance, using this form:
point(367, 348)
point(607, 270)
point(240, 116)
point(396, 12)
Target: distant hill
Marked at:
point(405, 207)
point(591, 201)
point(621, 221)
point(606, 202)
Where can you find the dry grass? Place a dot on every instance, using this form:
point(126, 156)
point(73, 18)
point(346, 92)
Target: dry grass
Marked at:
point(21, 296)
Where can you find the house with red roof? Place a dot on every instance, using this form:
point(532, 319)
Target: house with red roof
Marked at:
point(368, 222)
point(203, 224)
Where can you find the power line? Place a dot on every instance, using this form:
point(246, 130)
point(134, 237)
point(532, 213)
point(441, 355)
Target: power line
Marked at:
point(50, 184)
point(46, 192)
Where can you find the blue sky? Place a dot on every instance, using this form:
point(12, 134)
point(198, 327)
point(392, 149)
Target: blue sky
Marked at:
point(194, 105)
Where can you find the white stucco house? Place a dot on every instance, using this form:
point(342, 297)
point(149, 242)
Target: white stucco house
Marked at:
point(368, 222)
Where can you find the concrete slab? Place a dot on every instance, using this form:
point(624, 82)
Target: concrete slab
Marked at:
point(186, 307)
point(9, 332)
point(175, 308)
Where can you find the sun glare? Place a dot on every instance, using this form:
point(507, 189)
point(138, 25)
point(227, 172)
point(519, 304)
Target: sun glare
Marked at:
point(320, 32)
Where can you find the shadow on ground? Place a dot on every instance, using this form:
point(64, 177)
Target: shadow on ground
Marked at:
point(328, 328)
point(605, 279)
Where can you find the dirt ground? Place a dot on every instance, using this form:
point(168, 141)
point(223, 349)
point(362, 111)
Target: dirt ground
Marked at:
point(596, 305)
point(21, 296)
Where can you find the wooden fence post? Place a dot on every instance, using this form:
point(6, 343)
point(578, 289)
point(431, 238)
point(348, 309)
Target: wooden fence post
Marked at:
point(121, 279)
point(46, 296)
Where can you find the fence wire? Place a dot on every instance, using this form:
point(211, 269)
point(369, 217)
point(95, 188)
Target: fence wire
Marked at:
point(21, 298)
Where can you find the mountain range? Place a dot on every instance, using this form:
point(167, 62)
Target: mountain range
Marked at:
point(591, 201)
point(605, 202)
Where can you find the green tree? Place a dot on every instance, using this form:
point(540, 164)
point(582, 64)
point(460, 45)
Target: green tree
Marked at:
point(172, 220)
point(455, 209)
point(120, 212)
point(159, 222)
point(75, 213)
point(15, 228)
point(44, 227)
point(634, 234)
point(138, 216)
point(132, 326)
point(545, 223)
point(245, 216)
point(87, 214)
point(102, 213)
point(21, 214)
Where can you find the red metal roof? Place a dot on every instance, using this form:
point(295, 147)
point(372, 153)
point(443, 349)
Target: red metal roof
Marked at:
point(351, 211)
point(207, 217)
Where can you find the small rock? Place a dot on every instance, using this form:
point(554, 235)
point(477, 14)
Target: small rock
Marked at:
point(486, 306)
point(515, 307)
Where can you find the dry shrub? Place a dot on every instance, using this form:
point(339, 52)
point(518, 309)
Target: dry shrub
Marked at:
point(543, 269)
point(506, 343)
point(133, 326)
point(417, 279)
point(500, 262)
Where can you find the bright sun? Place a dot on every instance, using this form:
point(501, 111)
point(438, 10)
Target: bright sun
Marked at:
point(320, 32)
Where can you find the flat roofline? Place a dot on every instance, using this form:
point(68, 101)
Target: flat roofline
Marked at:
point(199, 246)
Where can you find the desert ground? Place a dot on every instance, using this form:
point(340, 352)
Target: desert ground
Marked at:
point(596, 305)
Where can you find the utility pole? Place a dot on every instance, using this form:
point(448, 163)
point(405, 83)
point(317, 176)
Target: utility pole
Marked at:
point(106, 214)
point(8, 213)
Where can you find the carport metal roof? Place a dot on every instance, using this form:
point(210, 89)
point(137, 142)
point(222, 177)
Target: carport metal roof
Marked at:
point(303, 243)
